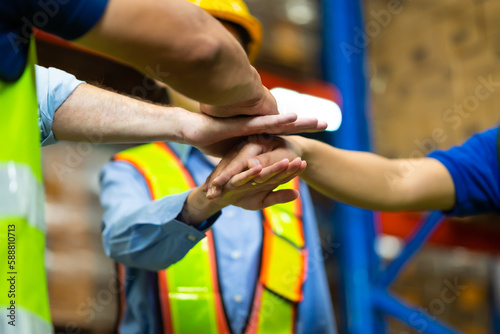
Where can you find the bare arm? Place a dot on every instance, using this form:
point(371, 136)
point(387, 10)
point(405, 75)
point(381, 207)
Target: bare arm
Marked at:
point(370, 181)
point(178, 43)
point(357, 178)
point(97, 115)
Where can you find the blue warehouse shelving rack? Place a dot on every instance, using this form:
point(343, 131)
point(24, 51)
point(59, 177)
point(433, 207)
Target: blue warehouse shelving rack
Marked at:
point(365, 281)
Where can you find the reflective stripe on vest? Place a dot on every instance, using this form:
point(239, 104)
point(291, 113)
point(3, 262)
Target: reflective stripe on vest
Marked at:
point(279, 288)
point(23, 286)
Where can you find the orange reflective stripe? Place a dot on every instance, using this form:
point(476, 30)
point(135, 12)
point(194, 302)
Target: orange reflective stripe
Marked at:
point(221, 318)
point(165, 302)
point(253, 319)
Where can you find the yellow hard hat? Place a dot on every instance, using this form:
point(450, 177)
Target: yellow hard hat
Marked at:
point(236, 11)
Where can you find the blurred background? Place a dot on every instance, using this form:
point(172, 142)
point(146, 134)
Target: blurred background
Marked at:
point(423, 61)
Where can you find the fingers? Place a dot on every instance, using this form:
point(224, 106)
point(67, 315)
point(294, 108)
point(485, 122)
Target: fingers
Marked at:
point(220, 167)
point(271, 171)
point(268, 159)
point(300, 125)
point(280, 196)
point(295, 168)
point(277, 125)
point(321, 126)
point(282, 124)
point(233, 165)
point(245, 177)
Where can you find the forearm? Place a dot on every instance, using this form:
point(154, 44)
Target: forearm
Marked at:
point(97, 115)
point(356, 178)
point(180, 44)
point(370, 181)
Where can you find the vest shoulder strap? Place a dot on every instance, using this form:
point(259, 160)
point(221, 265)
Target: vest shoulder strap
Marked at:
point(161, 168)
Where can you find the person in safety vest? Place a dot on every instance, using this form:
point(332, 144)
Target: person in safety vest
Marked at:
point(174, 41)
point(187, 267)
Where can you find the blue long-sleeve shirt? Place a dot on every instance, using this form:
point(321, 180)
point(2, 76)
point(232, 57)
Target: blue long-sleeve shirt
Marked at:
point(474, 169)
point(145, 236)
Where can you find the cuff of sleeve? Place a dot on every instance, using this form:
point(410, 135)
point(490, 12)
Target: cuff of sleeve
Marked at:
point(157, 247)
point(53, 88)
point(207, 224)
point(460, 206)
point(188, 235)
point(50, 139)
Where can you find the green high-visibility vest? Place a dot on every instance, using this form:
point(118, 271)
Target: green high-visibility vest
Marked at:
point(24, 306)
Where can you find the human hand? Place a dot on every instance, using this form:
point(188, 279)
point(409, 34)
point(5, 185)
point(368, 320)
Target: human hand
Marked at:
point(255, 151)
point(240, 191)
point(264, 104)
point(216, 136)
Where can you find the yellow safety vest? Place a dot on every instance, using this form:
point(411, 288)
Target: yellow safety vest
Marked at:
point(189, 290)
point(23, 287)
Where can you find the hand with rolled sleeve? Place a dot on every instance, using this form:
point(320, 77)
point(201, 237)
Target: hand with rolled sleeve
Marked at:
point(70, 109)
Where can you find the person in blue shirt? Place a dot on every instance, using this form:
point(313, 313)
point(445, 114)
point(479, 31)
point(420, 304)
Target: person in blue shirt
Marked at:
point(148, 236)
point(461, 181)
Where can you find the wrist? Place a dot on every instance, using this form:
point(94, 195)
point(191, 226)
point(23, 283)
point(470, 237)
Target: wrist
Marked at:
point(184, 122)
point(298, 145)
point(198, 208)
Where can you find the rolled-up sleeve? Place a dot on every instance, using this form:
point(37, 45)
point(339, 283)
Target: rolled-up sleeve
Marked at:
point(137, 231)
point(53, 87)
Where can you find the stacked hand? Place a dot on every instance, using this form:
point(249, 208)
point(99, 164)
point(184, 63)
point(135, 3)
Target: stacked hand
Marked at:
point(241, 191)
point(260, 151)
point(216, 136)
point(220, 128)
point(252, 167)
